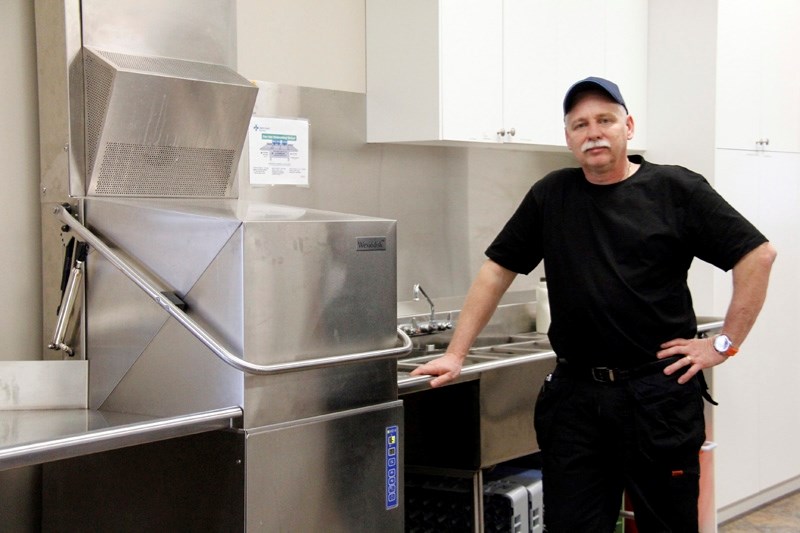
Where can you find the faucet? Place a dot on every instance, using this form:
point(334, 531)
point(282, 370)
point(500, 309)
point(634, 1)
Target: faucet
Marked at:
point(417, 290)
point(432, 326)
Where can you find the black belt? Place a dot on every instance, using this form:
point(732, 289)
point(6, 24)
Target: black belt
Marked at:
point(604, 374)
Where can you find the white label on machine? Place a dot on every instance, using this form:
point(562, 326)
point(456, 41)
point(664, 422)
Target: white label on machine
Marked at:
point(278, 151)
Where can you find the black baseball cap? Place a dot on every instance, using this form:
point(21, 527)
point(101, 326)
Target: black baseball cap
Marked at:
point(608, 87)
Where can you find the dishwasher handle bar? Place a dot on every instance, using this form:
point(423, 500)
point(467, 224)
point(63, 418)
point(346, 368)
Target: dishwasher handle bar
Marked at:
point(205, 337)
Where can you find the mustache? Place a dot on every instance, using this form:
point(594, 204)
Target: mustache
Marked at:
point(588, 145)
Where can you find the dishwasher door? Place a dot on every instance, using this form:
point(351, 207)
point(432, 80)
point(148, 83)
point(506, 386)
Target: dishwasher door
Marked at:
point(336, 472)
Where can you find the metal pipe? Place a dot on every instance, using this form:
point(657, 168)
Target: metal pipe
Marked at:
point(142, 281)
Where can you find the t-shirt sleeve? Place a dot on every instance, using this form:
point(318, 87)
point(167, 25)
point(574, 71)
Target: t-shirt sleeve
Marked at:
point(518, 246)
point(721, 235)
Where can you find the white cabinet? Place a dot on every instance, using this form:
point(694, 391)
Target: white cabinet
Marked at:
point(496, 72)
point(758, 124)
point(566, 42)
point(470, 43)
point(757, 423)
point(758, 75)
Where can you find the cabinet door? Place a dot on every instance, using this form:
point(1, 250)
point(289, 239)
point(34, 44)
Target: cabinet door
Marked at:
point(471, 70)
point(774, 335)
point(550, 45)
point(736, 386)
point(464, 70)
point(780, 75)
point(626, 59)
point(757, 424)
point(758, 75)
point(738, 74)
point(532, 90)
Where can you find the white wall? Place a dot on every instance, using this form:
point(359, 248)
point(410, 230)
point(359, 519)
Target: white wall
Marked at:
point(308, 43)
point(20, 270)
point(681, 97)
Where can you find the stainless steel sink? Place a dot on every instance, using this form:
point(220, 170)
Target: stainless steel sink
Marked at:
point(523, 347)
point(413, 362)
point(481, 419)
point(440, 341)
point(486, 348)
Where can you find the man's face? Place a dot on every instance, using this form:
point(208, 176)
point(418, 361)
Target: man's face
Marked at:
point(597, 130)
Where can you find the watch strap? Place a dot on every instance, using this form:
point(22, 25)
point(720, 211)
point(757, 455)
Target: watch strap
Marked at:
point(731, 351)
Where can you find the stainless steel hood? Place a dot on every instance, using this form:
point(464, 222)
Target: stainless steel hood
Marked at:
point(159, 126)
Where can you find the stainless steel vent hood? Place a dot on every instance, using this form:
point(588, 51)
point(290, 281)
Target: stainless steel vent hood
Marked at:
point(156, 124)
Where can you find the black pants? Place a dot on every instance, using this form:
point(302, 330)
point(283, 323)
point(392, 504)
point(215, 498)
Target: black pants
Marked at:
point(642, 435)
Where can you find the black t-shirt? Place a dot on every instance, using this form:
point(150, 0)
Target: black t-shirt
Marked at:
point(617, 256)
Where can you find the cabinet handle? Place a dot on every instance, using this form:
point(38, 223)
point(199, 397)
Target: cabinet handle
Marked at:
point(763, 142)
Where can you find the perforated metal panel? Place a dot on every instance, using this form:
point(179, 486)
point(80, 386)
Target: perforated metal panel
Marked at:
point(137, 170)
point(173, 67)
point(99, 80)
point(163, 127)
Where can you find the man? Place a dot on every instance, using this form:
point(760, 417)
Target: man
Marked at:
point(623, 408)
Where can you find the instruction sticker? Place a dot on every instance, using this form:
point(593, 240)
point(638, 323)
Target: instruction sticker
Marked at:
point(278, 151)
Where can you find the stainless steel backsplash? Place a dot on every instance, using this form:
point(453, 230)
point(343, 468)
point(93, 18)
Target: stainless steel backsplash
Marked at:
point(449, 201)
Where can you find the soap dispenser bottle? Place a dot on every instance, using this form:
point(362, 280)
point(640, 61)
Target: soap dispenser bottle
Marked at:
point(542, 307)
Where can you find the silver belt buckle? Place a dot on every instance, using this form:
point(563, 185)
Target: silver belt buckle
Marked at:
point(603, 374)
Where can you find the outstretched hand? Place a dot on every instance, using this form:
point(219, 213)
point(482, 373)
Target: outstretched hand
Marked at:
point(446, 368)
point(697, 355)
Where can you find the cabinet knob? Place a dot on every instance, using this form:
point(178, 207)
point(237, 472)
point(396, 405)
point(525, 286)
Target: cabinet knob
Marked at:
point(501, 132)
point(763, 142)
point(513, 132)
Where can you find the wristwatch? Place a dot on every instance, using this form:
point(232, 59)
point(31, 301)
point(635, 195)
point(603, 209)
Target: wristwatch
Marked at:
point(723, 345)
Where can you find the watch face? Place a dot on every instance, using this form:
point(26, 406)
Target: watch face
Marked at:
point(722, 343)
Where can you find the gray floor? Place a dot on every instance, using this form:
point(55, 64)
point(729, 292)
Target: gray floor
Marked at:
point(780, 516)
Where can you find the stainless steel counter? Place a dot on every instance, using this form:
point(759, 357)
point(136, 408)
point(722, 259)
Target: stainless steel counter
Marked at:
point(29, 437)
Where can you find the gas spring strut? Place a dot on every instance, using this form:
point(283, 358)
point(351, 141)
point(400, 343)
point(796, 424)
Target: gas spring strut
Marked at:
point(69, 294)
